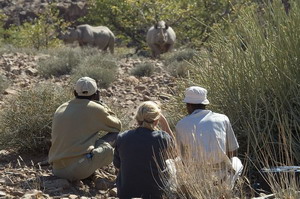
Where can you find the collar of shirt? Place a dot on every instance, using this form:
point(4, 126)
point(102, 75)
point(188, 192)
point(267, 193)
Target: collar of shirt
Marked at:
point(200, 112)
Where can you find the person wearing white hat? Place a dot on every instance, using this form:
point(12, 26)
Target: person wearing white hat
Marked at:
point(206, 137)
point(78, 146)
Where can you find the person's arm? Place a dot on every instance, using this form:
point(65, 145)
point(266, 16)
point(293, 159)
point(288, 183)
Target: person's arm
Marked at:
point(116, 160)
point(165, 125)
point(108, 121)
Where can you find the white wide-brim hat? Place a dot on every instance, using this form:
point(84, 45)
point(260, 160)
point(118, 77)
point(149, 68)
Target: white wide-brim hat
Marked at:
point(85, 86)
point(196, 95)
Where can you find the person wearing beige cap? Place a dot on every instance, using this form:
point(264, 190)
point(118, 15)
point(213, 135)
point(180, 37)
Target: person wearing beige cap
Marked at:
point(139, 154)
point(78, 146)
point(207, 137)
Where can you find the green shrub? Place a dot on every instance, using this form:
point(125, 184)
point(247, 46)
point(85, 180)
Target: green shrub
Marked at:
point(62, 61)
point(40, 33)
point(187, 54)
point(143, 69)
point(101, 67)
point(252, 75)
point(179, 69)
point(8, 48)
point(26, 120)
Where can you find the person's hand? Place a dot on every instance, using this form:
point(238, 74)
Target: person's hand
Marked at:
point(165, 125)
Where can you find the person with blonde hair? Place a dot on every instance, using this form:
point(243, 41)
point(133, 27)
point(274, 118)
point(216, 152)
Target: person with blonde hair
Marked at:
point(139, 154)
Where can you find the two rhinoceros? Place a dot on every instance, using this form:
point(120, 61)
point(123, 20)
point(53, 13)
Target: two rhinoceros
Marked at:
point(160, 37)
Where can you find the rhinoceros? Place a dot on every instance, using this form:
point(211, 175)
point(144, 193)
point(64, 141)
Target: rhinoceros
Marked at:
point(97, 36)
point(160, 38)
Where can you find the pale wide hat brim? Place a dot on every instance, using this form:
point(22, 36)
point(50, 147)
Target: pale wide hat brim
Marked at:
point(196, 95)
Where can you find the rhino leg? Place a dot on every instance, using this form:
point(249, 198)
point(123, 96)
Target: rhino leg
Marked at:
point(156, 50)
point(167, 48)
point(111, 45)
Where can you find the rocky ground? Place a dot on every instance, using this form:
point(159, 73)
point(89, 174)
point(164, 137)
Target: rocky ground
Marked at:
point(28, 176)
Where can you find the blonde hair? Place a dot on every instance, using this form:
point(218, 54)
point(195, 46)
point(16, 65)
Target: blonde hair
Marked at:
point(147, 113)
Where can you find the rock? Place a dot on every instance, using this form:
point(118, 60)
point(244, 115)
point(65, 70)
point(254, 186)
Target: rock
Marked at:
point(18, 193)
point(72, 196)
point(113, 192)
point(2, 193)
point(146, 79)
point(132, 80)
point(146, 98)
point(10, 91)
point(165, 96)
point(141, 87)
point(57, 184)
point(31, 71)
point(129, 102)
point(103, 184)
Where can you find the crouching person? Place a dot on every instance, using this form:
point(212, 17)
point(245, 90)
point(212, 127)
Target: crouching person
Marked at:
point(76, 150)
point(139, 154)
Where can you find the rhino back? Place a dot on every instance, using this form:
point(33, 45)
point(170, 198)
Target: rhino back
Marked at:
point(86, 33)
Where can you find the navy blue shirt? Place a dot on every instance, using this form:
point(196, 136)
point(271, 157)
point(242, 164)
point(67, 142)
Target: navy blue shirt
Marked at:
point(138, 155)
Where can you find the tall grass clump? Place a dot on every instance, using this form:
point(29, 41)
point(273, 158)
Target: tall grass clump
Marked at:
point(143, 70)
point(63, 61)
point(252, 74)
point(177, 62)
point(26, 120)
point(101, 67)
point(186, 178)
point(275, 160)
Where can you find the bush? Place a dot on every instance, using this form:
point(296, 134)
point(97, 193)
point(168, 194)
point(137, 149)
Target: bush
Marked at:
point(62, 61)
point(143, 69)
point(101, 67)
point(178, 62)
point(178, 69)
point(39, 33)
point(7, 48)
point(26, 121)
point(187, 55)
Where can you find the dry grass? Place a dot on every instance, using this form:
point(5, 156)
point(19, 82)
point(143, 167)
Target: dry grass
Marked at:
point(190, 179)
point(26, 120)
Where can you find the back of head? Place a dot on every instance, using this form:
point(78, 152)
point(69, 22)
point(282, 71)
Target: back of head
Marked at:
point(147, 113)
point(85, 87)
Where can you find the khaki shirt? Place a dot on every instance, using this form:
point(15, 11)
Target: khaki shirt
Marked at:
point(76, 126)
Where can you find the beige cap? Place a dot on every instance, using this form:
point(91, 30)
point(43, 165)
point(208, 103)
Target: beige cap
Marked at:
point(85, 86)
point(196, 95)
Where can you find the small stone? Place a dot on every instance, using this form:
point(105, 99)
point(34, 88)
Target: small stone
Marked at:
point(57, 184)
point(103, 184)
point(2, 194)
point(31, 71)
point(141, 87)
point(113, 192)
point(72, 196)
point(165, 96)
point(10, 91)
